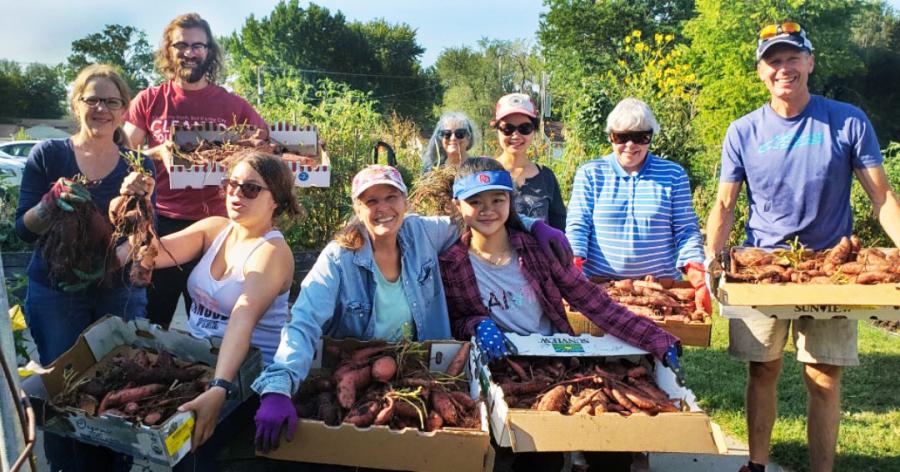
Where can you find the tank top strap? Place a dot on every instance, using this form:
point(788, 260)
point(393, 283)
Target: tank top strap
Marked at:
point(272, 234)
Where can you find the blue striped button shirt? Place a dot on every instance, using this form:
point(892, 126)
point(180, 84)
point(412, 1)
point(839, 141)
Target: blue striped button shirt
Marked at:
point(633, 225)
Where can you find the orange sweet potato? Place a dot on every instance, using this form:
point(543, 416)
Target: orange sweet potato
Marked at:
point(350, 382)
point(384, 368)
point(458, 363)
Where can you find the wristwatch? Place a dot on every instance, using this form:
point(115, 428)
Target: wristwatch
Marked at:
point(231, 390)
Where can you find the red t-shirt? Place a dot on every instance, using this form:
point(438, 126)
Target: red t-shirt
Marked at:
point(156, 109)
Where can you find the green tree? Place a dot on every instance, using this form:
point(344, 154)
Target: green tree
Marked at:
point(124, 47)
point(43, 93)
point(473, 80)
point(35, 92)
point(307, 44)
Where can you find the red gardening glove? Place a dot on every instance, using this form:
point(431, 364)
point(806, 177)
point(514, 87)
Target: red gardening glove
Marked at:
point(696, 275)
point(579, 263)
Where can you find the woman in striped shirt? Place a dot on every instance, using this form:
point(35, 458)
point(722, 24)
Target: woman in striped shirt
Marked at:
point(630, 214)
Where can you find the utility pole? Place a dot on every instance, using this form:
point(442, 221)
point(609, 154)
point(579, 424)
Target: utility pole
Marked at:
point(259, 87)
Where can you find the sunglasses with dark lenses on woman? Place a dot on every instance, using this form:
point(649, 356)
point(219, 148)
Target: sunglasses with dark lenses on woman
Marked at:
point(460, 133)
point(508, 129)
point(248, 190)
point(637, 137)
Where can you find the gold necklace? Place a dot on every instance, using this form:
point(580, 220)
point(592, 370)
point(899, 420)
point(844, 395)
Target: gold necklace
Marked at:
point(501, 259)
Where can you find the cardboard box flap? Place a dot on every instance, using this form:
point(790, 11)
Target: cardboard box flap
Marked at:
point(583, 345)
point(542, 431)
point(302, 140)
point(107, 334)
point(213, 132)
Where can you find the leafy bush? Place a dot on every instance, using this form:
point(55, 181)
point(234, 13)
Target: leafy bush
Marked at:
point(350, 126)
point(865, 224)
point(9, 201)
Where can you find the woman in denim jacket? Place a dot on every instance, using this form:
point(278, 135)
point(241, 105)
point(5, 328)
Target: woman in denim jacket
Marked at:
point(379, 279)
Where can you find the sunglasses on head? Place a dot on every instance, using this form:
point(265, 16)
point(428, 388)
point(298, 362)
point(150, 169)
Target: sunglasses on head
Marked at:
point(460, 133)
point(508, 129)
point(248, 190)
point(770, 31)
point(637, 137)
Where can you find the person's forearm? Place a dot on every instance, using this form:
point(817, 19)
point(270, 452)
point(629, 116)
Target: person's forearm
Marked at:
point(718, 227)
point(234, 348)
point(37, 219)
point(889, 216)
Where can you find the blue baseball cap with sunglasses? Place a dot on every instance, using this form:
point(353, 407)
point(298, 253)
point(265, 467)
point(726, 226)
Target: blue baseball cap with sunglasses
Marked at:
point(788, 32)
point(482, 181)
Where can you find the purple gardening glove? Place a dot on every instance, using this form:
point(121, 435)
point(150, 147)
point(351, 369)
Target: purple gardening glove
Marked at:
point(553, 242)
point(274, 410)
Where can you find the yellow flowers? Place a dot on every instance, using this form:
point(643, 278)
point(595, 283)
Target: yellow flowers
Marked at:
point(654, 68)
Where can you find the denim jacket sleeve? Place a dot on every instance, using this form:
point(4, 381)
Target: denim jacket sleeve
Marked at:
point(313, 309)
point(440, 230)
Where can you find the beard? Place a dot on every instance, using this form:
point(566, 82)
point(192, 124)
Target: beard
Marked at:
point(191, 74)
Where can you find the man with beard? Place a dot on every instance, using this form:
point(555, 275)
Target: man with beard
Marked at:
point(191, 61)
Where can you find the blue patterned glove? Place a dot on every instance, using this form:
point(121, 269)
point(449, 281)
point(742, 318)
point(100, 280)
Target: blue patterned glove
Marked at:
point(490, 341)
point(673, 363)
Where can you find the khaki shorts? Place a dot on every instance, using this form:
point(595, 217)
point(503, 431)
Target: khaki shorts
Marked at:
point(762, 339)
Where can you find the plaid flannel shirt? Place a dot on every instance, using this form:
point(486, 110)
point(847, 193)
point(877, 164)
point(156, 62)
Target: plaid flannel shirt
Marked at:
point(551, 282)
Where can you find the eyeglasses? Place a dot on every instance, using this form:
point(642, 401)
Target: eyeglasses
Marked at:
point(771, 31)
point(460, 133)
point(524, 129)
point(638, 137)
point(248, 190)
point(111, 103)
point(194, 47)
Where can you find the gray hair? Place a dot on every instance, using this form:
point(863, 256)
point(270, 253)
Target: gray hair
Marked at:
point(435, 155)
point(631, 114)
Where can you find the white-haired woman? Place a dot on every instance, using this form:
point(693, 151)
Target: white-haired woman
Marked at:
point(454, 135)
point(630, 214)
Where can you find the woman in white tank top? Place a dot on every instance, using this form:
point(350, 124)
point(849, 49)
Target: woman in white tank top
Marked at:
point(241, 284)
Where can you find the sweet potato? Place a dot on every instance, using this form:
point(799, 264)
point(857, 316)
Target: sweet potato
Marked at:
point(363, 415)
point(874, 277)
point(152, 418)
point(327, 411)
point(458, 363)
point(463, 399)
point(636, 372)
point(350, 382)
point(406, 410)
point(523, 388)
point(384, 368)
point(127, 395)
point(434, 421)
point(361, 356)
point(385, 415)
point(839, 254)
point(518, 369)
point(554, 400)
point(443, 405)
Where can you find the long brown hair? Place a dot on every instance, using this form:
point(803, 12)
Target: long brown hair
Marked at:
point(164, 65)
point(99, 71)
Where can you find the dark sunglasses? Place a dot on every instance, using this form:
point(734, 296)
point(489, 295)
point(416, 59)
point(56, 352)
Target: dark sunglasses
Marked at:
point(248, 190)
point(508, 129)
point(460, 133)
point(638, 137)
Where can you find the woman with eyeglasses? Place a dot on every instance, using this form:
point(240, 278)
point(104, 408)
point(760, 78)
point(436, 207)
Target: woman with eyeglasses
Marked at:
point(631, 213)
point(240, 285)
point(454, 135)
point(537, 193)
point(62, 176)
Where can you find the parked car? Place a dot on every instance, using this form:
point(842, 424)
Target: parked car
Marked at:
point(17, 149)
point(11, 169)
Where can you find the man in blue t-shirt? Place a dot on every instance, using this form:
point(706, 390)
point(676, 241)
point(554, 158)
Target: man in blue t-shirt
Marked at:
point(797, 155)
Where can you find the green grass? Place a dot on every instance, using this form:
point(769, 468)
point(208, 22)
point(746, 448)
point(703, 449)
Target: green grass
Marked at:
point(870, 405)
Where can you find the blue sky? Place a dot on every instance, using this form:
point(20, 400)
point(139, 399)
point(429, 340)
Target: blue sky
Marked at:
point(42, 30)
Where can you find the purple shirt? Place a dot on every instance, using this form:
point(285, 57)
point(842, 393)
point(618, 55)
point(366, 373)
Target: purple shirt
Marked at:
point(551, 282)
point(798, 170)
